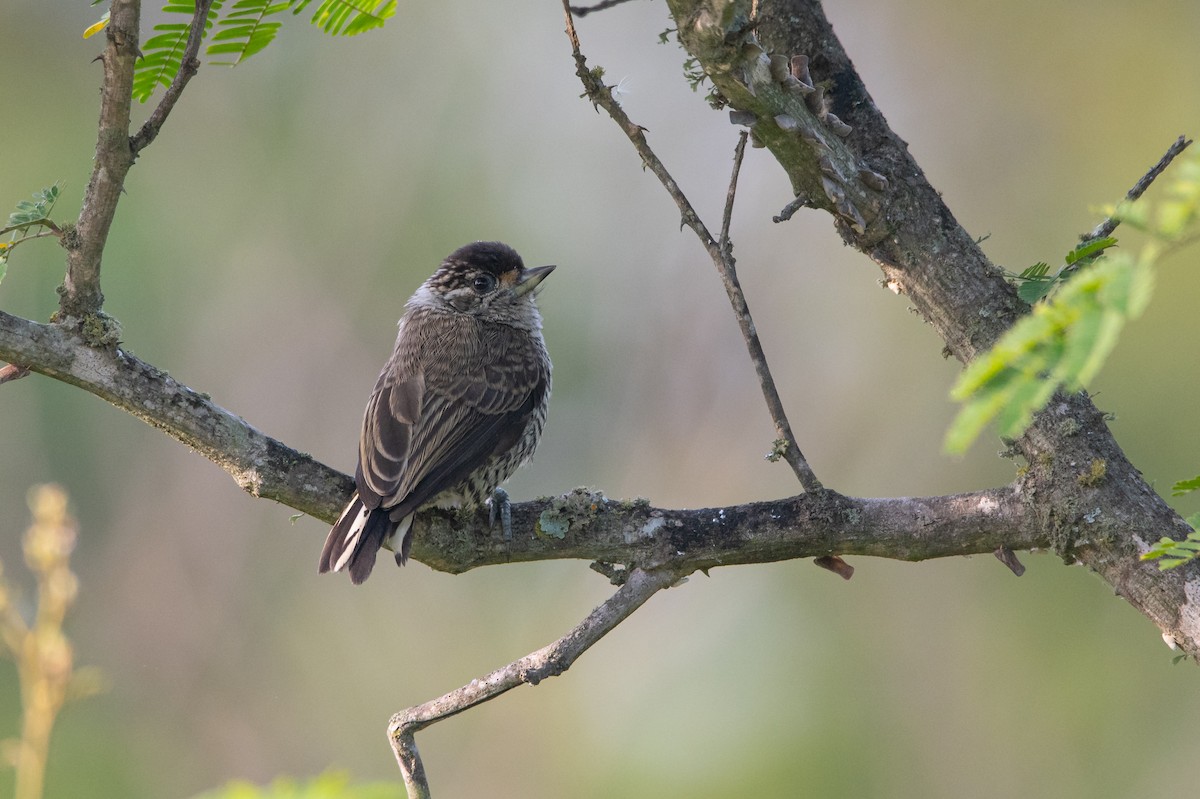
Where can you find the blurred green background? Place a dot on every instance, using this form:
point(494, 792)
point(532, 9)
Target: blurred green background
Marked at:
point(264, 250)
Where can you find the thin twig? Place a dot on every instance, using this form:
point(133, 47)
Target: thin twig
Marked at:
point(725, 244)
point(583, 11)
point(53, 228)
point(188, 66)
point(549, 661)
point(601, 96)
point(1106, 227)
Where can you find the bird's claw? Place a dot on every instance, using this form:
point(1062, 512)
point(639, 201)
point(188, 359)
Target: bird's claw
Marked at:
point(499, 506)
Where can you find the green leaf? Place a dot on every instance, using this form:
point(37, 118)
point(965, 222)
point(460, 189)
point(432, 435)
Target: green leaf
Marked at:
point(1171, 553)
point(1089, 249)
point(1178, 214)
point(245, 31)
point(1035, 272)
point(1033, 289)
point(1185, 487)
point(1063, 342)
point(162, 55)
point(352, 17)
point(1020, 401)
point(36, 209)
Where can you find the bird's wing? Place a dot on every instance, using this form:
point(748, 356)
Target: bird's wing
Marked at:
point(393, 412)
point(426, 432)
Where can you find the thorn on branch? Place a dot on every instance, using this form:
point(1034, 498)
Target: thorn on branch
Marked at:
point(616, 575)
point(835, 564)
point(13, 372)
point(746, 118)
point(1009, 559)
point(791, 208)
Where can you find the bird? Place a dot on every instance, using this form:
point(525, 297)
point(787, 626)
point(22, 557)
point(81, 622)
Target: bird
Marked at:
point(457, 408)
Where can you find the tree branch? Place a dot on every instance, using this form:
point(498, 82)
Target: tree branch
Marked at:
point(549, 661)
point(81, 295)
point(259, 464)
point(580, 524)
point(840, 153)
point(721, 254)
point(188, 66)
point(1106, 227)
point(727, 217)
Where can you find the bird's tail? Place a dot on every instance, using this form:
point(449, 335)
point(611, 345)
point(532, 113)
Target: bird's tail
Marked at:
point(356, 539)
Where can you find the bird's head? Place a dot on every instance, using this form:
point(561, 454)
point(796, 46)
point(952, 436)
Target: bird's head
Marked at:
point(485, 279)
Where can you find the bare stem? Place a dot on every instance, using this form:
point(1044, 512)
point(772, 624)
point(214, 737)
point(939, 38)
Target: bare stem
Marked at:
point(549, 661)
point(44, 658)
point(54, 229)
point(727, 217)
point(188, 67)
point(1106, 227)
point(721, 254)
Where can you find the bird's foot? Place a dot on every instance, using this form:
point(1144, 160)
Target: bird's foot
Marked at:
point(500, 508)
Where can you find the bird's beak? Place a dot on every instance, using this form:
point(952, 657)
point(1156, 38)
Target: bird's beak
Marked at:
point(530, 279)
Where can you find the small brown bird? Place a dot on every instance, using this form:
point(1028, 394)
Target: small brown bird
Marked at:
point(457, 408)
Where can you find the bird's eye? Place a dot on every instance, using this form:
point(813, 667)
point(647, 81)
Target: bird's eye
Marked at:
point(484, 283)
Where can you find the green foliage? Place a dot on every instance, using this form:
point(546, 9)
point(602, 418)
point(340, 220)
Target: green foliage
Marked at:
point(1063, 342)
point(331, 785)
point(1036, 281)
point(1171, 553)
point(351, 17)
point(1185, 486)
point(162, 55)
point(244, 30)
point(694, 73)
point(29, 214)
point(1079, 313)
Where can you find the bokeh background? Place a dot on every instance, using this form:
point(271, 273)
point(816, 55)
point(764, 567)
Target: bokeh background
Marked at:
point(264, 250)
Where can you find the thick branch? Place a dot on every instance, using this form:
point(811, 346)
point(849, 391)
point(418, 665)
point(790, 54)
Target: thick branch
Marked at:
point(842, 156)
point(81, 295)
point(578, 525)
point(587, 525)
point(260, 464)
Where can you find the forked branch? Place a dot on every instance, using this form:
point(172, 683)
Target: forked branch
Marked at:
point(721, 253)
point(549, 661)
